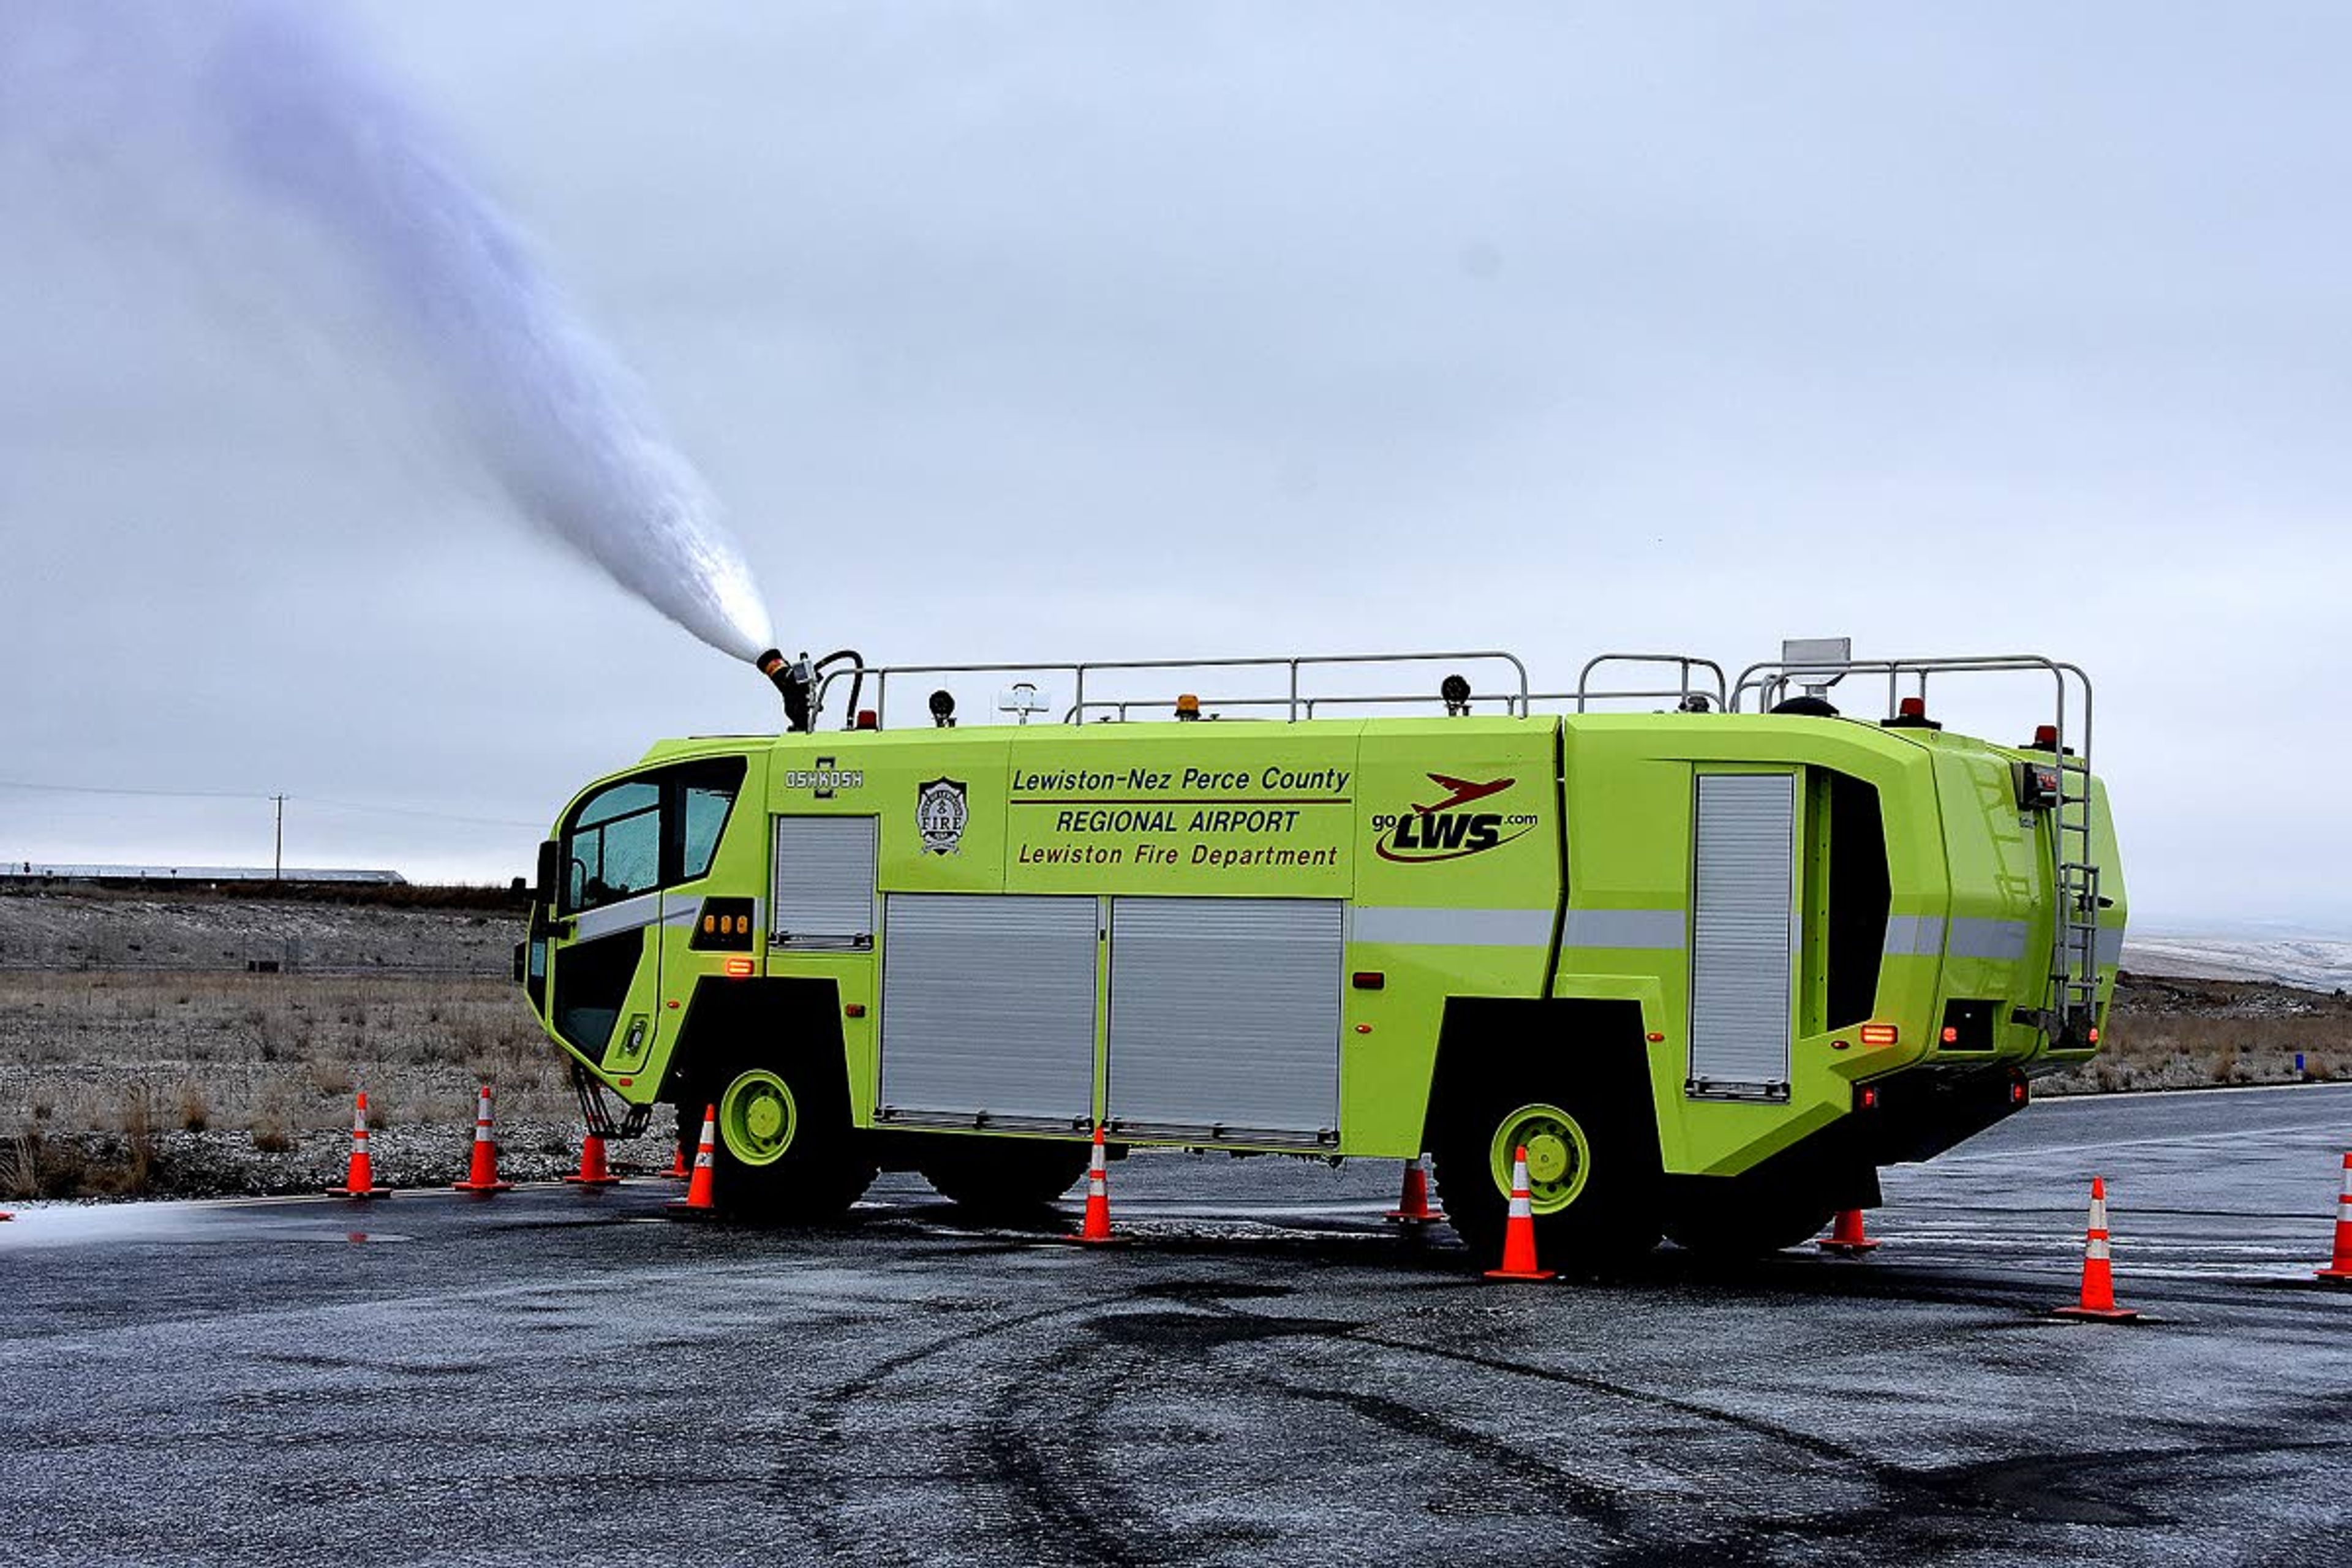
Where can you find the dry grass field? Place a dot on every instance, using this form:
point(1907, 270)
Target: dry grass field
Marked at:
point(141, 1054)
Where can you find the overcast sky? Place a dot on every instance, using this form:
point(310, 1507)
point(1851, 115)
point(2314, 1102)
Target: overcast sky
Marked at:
point(1034, 331)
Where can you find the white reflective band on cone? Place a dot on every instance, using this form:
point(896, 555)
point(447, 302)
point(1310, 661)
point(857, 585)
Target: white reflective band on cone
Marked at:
point(2097, 1250)
point(2098, 1214)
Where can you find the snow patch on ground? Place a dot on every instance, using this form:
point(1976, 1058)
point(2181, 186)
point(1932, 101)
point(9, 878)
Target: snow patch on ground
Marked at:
point(2313, 963)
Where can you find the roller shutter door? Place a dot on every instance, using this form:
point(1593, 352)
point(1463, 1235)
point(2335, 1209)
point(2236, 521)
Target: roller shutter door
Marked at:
point(1225, 1016)
point(1743, 935)
point(987, 1010)
point(823, 891)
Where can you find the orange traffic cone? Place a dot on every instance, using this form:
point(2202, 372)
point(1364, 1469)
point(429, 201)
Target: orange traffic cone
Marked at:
point(678, 1171)
point(1412, 1204)
point(483, 1177)
point(1096, 1231)
point(5, 1215)
point(2098, 1302)
point(1519, 1230)
point(359, 1183)
point(1845, 1238)
point(2339, 1271)
point(699, 1202)
point(593, 1172)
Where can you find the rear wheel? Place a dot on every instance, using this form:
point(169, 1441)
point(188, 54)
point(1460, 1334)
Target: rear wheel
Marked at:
point(784, 1148)
point(1001, 1175)
point(1593, 1174)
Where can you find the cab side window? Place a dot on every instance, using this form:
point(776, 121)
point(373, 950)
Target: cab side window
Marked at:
point(643, 833)
point(706, 802)
point(613, 849)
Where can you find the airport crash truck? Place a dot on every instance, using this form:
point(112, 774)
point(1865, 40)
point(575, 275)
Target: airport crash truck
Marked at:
point(1712, 966)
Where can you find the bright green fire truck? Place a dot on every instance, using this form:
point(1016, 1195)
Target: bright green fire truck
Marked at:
point(1713, 965)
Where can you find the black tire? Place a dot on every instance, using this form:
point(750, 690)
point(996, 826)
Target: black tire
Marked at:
point(1611, 1217)
point(1729, 1220)
point(810, 1173)
point(1001, 1175)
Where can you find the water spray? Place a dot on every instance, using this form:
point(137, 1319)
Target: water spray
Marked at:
point(282, 100)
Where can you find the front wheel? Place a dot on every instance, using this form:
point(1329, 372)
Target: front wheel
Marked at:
point(1593, 1174)
point(784, 1148)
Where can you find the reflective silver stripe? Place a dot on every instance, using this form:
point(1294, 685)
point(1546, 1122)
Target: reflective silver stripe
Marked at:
point(629, 914)
point(1974, 938)
point(1914, 936)
point(2111, 945)
point(686, 914)
point(1656, 931)
point(1454, 927)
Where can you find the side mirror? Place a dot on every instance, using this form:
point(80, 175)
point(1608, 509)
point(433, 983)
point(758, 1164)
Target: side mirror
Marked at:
point(551, 873)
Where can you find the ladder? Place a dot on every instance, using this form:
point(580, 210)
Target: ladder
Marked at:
point(2075, 947)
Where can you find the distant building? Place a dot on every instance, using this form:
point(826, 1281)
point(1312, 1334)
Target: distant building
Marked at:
point(43, 871)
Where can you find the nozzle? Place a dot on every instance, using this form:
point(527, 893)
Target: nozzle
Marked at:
point(793, 677)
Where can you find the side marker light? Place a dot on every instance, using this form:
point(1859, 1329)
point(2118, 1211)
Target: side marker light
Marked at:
point(1657, 1036)
point(1370, 979)
point(1951, 1034)
point(1866, 1100)
point(1364, 1028)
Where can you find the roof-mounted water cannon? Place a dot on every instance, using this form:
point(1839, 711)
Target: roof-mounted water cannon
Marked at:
point(795, 678)
point(801, 682)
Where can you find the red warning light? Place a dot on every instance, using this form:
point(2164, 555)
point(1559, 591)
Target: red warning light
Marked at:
point(2045, 738)
point(1913, 707)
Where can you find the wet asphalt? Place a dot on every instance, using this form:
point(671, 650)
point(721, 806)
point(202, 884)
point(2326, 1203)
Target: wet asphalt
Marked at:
point(1268, 1374)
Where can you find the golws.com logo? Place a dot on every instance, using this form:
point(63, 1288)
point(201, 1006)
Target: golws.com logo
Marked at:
point(1444, 831)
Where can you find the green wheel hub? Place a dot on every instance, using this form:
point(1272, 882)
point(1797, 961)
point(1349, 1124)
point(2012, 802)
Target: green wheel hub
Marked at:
point(757, 1118)
point(1559, 1157)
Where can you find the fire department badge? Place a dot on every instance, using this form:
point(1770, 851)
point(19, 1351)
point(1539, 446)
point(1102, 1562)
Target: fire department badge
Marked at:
point(939, 816)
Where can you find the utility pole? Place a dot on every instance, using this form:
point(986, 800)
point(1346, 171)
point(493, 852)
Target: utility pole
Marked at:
point(278, 854)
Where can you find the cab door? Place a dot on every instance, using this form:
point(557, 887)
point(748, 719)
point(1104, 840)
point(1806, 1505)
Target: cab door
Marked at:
point(604, 973)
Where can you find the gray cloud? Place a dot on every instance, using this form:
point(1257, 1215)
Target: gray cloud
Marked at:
point(1143, 331)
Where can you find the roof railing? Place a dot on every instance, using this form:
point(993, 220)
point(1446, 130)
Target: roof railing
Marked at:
point(1294, 672)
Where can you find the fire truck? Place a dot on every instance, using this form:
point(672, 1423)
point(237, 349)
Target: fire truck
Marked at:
point(1712, 949)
